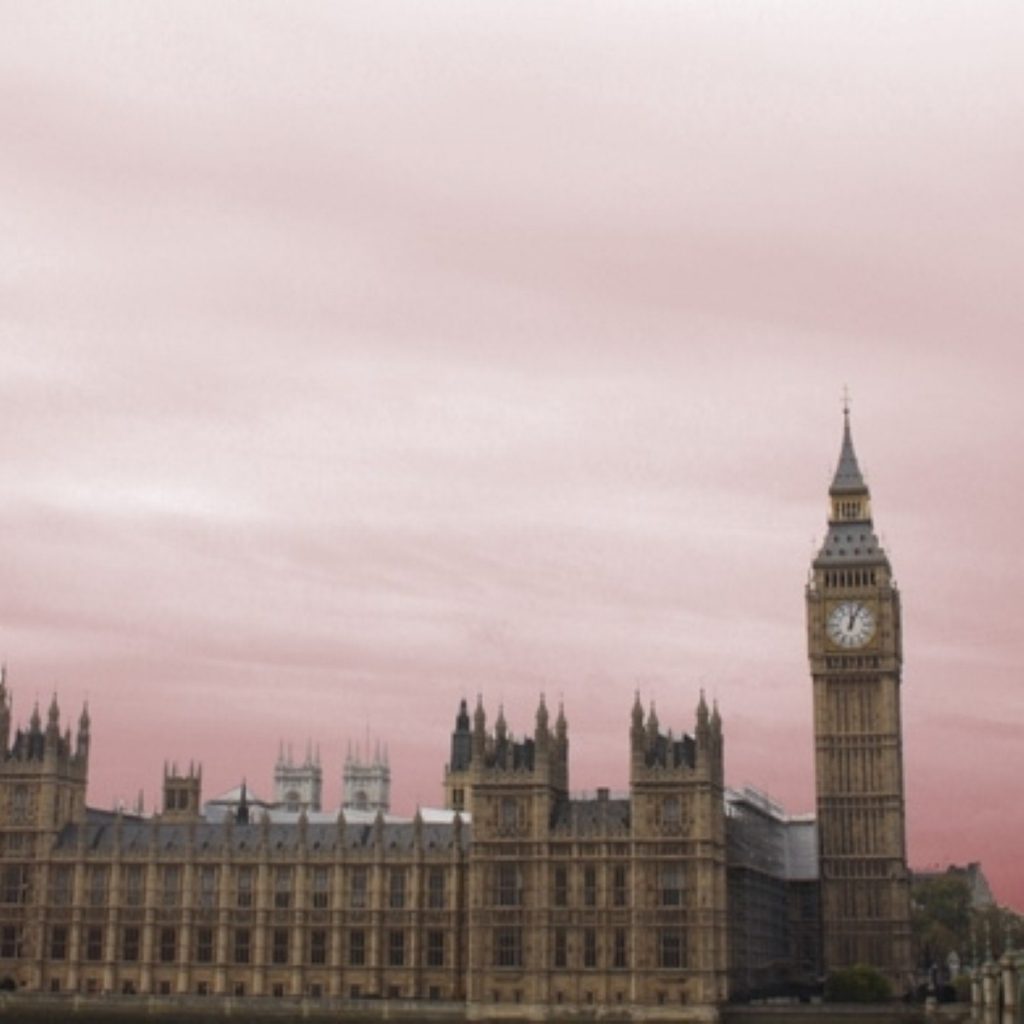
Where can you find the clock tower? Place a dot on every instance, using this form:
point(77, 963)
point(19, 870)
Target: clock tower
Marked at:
point(855, 648)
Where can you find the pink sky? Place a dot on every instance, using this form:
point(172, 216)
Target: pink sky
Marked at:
point(358, 357)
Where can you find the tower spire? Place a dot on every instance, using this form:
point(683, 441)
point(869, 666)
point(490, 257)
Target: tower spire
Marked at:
point(848, 478)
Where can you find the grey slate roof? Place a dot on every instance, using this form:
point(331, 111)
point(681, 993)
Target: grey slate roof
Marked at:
point(592, 816)
point(851, 544)
point(138, 835)
point(848, 478)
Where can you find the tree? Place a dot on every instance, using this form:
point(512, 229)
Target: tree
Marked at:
point(859, 984)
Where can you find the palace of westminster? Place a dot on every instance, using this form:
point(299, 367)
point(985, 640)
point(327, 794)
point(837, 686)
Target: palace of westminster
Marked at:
point(516, 900)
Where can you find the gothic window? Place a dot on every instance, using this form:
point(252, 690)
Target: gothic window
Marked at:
point(670, 948)
point(357, 889)
point(561, 887)
point(321, 893)
point(509, 885)
point(243, 890)
point(508, 949)
point(168, 945)
point(130, 945)
point(58, 942)
point(243, 939)
point(561, 951)
point(620, 956)
point(283, 888)
point(671, 813)
point(96, 888)
point(670, 885)
point(589, 947)
point(396, 889)
point(204, 945)
point(508, 818)
point(620, 878)
point(318, 946)
point(171, 885)
point(279, 946)
point(435, 889)
point(10, 942)
point(396, 948)
point(435, 949)
point(590, 886)
point(357, 948)
point(458, 798)
point(133, 885)
point(20, 804)
point(207, 886)
point(14, 884)
point(94, 944)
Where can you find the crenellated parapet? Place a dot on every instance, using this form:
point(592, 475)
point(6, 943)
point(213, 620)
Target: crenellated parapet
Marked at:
point(495, 756)
point(657, 756)
point(43, 770)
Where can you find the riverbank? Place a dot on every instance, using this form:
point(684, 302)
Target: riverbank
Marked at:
point(52, 1009)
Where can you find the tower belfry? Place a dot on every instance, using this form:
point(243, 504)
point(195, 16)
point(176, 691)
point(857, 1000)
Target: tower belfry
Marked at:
point(855, 649)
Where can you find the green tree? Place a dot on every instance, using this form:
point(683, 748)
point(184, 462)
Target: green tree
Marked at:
point(859, 984)
point(941, 918)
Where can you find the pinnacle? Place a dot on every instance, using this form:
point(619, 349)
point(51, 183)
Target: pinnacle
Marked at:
point(848, 476)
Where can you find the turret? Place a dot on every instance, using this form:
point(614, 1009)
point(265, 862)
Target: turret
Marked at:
point(541, 733)
point(46, 778)
point(182, 793)
point(479, 730)
point(5, 713)
point(82, 744)
point(462, 740)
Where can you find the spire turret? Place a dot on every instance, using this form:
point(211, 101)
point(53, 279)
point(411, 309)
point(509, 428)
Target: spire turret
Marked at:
point(848, 478)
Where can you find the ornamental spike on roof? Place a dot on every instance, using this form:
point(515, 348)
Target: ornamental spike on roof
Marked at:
point(848, 478)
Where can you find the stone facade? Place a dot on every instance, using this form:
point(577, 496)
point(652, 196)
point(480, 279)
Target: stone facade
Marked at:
point(366, 780)
point(546, 903)
point(518, 900)
point(856, 654)
point(298, 785)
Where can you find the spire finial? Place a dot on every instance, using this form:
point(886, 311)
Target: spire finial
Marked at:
point(848, 478)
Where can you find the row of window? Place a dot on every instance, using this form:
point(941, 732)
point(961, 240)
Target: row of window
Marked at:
point(584, 951)
point(241, 945)
point(850, 578)
point(314, 989)
point(507, 889)
point(243, 878)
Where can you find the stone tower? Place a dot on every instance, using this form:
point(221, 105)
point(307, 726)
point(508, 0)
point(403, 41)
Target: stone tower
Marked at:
point(366, 780)
point(298, 785)
point(679, 864)
point(457, 776)
point(855, 648)
point(43, 776)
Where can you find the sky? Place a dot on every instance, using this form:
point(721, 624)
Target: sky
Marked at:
point(358, 358)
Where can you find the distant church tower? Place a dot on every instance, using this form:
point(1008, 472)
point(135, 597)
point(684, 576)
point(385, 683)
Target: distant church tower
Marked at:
point(366, 782)
point(855, 648)
point(298, 787)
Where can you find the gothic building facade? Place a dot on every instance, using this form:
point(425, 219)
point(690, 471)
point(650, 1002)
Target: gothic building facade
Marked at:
point(519, 898)
point(854, 637)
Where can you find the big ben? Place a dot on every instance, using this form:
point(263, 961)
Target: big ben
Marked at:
point(855, 648)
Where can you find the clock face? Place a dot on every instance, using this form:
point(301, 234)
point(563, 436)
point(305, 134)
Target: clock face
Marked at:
point(851, 624)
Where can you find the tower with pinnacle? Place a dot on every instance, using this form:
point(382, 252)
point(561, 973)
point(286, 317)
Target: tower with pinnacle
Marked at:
point(366, 779)
point(855, 649)
point(298, 785)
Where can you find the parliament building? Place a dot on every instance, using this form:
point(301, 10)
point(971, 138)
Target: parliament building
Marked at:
point(518, 899)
